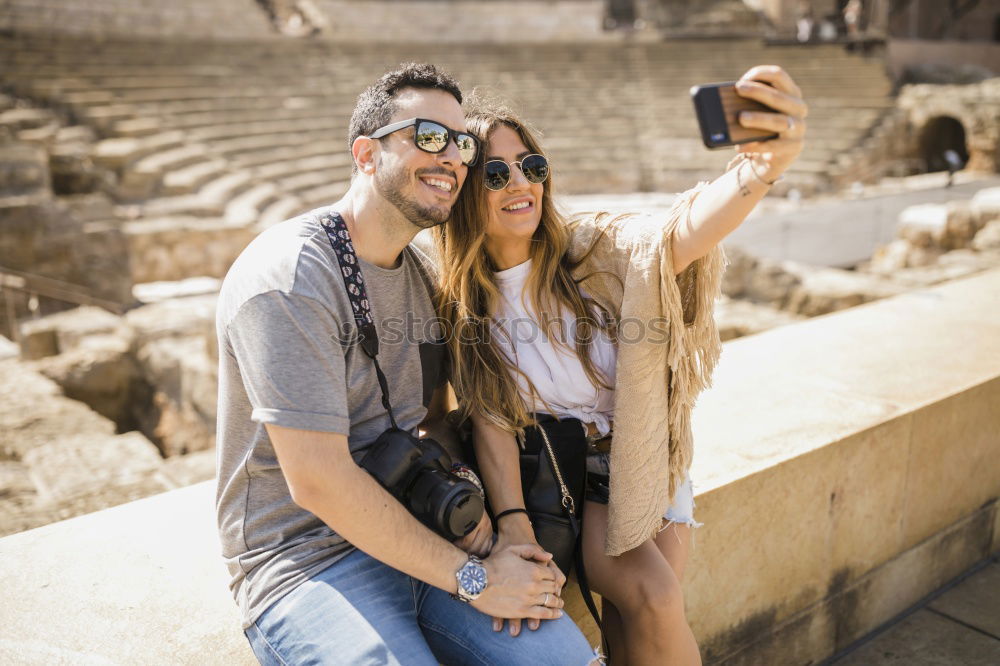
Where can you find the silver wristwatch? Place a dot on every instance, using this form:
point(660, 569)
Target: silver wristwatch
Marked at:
point(471, 580)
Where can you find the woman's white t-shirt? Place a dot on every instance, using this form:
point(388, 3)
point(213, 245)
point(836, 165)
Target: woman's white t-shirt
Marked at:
point(553, 367)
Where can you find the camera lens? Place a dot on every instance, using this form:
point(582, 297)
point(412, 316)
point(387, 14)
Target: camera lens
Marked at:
point(448, 505)
point(464, 513)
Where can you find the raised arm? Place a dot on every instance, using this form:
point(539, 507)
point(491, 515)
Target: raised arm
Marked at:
point(723, 205)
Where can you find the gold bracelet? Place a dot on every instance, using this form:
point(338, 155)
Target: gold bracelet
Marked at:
point(757, 175)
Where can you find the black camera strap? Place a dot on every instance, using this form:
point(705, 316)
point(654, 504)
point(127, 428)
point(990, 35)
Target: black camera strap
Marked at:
point(354, 282)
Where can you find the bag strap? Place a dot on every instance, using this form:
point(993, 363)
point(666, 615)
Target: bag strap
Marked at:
point(581, 579)
point(567, 499)
point(354, 282)
point(570, 507)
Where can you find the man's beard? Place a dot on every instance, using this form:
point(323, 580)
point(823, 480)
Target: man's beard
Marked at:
point(390, 186)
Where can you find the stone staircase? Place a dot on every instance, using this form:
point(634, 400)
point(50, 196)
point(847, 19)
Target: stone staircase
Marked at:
point(241, 135)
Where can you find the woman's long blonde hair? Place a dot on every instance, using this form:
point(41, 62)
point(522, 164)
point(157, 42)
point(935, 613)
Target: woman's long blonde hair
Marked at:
point(482, 376)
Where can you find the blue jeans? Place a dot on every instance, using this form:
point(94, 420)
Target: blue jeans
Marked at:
point(360, 611)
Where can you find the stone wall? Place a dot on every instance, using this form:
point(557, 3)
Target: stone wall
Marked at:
point(976, 106)
point(895, 145)
point(941, 240)
point(59, 458)
point(153, 370)
point(930, 19)
point(219, 19)
point(61, 250)
point(904, 53)
point(849, 478)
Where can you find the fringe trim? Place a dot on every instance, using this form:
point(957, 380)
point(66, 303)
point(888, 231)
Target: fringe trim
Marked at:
point(692, 353)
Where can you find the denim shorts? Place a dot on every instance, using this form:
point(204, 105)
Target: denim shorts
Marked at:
point(361, 611)
point(681, 510)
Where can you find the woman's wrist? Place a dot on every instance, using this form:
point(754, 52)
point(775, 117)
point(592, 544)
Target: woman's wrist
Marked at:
point(764, 171)
point(515, 527)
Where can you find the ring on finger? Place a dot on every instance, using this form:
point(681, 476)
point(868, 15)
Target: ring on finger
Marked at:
point(791, 124)
point(546, 601)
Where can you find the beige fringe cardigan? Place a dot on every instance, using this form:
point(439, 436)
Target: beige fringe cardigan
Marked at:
point(659, 376)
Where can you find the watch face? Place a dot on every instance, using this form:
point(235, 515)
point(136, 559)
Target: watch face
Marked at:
point(473, 578)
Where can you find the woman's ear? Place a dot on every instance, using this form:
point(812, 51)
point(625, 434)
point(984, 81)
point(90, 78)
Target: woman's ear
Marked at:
point(364, 151)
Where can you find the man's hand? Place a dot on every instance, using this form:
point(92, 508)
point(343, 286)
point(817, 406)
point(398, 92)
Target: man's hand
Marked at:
point(521, 584)
point(772, 86)
point(479, 541)
point(517, 536)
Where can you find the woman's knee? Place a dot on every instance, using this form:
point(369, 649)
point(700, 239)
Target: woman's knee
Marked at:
point(661, 595)
point(648, 595)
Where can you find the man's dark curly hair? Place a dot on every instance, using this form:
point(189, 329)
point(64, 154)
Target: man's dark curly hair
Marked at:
point(377, 104)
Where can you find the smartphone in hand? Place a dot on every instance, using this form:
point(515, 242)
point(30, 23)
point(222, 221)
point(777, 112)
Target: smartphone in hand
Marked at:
point(718, 106)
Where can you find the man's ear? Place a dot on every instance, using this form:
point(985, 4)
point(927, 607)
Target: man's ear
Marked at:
point(364, 149)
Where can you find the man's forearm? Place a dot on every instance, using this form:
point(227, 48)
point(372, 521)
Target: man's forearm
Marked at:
point(325, 480)
point(715, 213)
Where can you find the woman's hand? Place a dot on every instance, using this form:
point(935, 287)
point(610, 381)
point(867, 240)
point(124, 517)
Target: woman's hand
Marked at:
point(518, 531)
point(478, 542)
point(521, 585)
point(772, 86)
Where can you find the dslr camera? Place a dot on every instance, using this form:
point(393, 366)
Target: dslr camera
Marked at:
point(416, 472)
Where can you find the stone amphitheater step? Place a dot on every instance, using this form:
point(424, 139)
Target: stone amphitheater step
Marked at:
point(24, 119)
point(210, 200)
point(258, 160)
point(328, 164)
point(180, 108)
point(208, 120)
point(133, 127)
point(281, 209)
point(276, 127)
point(245, 209)
point(140, 179)
point(177, 247)
point(323, 194)
point(157, 95)
point(105, 116)
point(118, 152)
point(264, 107)
point(188, 179)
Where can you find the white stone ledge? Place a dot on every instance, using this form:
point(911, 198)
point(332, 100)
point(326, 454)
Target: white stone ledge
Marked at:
point(846, 466)
point(140, 583)
point(827, 452)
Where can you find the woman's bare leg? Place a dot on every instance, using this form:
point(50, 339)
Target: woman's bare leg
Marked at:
point(614, 633)
point(643, 587)
point(674, 542)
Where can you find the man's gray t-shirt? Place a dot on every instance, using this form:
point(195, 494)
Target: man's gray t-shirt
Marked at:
point(286, 358)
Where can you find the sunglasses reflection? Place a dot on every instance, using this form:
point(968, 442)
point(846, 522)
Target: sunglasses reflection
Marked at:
point(497, 172)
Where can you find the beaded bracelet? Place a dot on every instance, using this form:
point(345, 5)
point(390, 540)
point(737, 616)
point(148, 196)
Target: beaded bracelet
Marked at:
point(463, 471)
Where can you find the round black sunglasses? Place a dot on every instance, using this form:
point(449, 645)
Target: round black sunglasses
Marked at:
point(497, 172)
